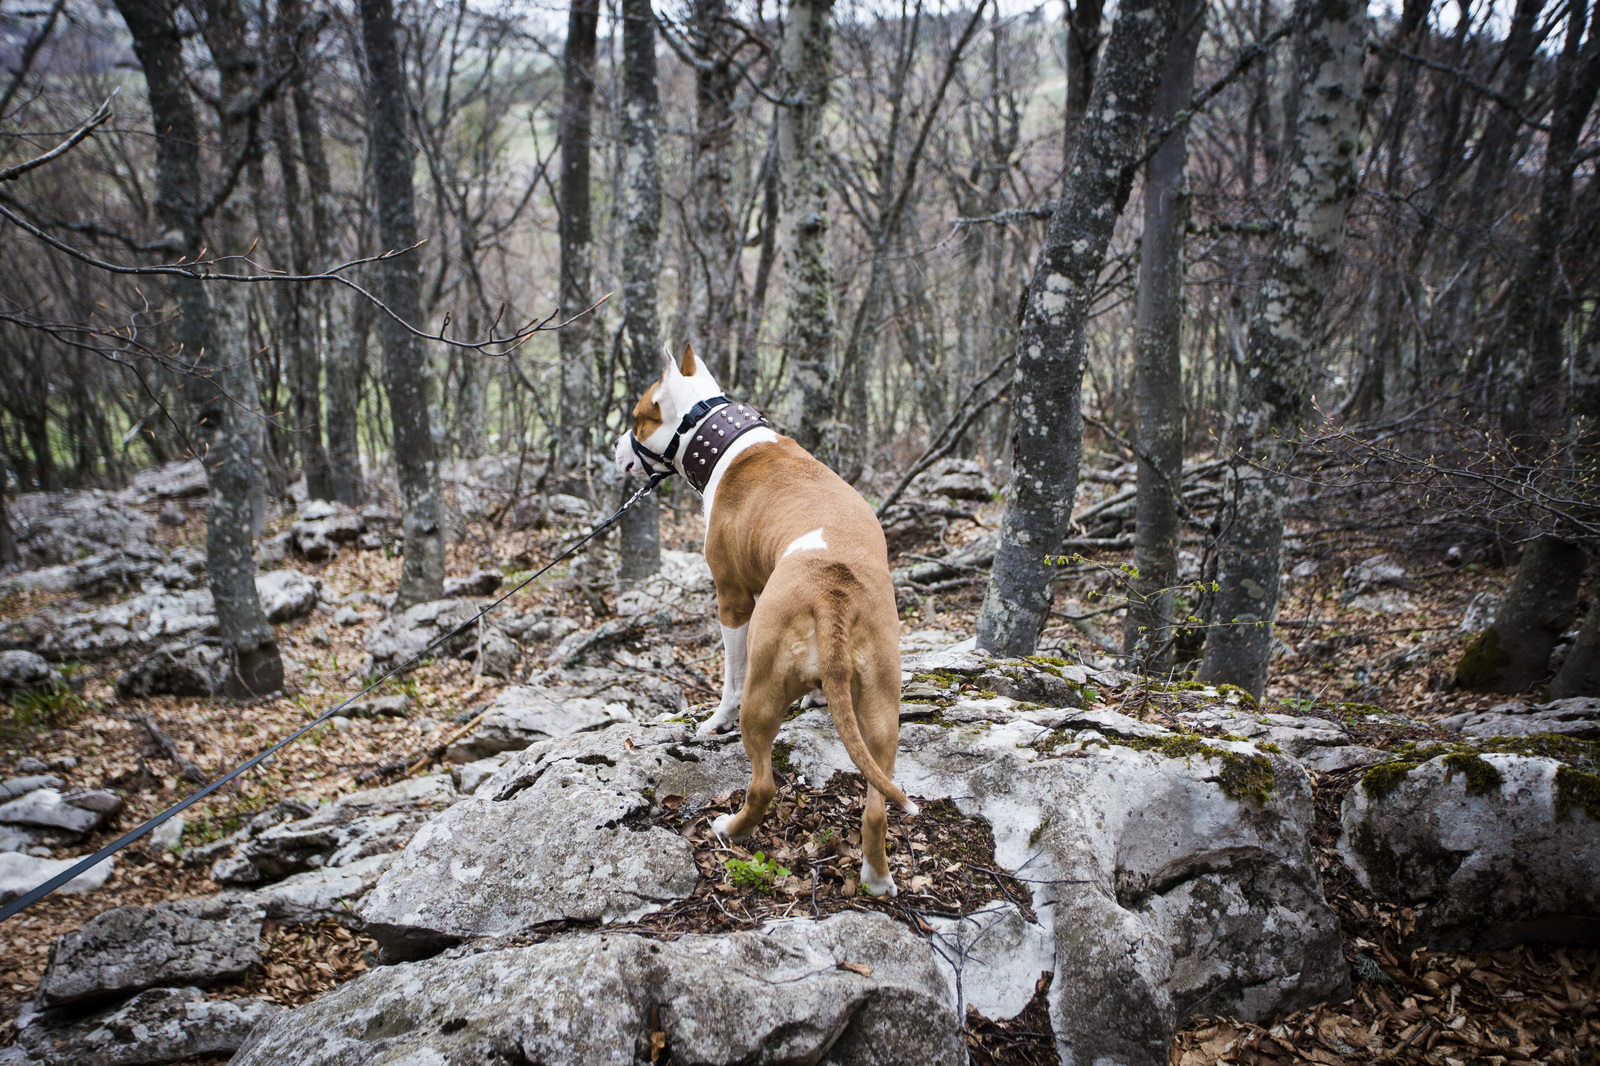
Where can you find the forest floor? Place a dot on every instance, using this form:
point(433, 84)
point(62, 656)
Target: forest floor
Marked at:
point(1535, 1003)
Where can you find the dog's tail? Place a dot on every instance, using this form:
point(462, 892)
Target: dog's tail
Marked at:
point(835, 661)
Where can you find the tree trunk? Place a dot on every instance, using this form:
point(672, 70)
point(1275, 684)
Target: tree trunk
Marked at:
point(1281, 351)
point(1580, 674)
point(1083, 51)
point(640, 548)
point(809, 327)
point(1531, 349)
point(257, 667)
point(1514, 653)
point(576, 341)
point(340, 337)
point(719, 237)
point(1158, 384)
point(1047, 438)
point(747, 370)
point(405, 364)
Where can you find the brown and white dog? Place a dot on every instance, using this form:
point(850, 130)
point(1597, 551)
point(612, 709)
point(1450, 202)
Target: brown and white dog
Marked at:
point(803, 593)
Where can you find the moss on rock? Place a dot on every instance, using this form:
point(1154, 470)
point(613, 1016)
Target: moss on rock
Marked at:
point(1575, 788)
point(1482, 777)
point(1481, 662)
point(1386, 777)
point(1242, 777)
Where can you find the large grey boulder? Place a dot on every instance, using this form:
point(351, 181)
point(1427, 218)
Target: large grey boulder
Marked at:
point(354, 827)
point(480, 582)
point(12, 787)
point(25, 671)
point(683, 586)
point(175, 481)
point(129, 949)
point(176, 670)
point(1319, 744)
point(64, 528)
point(322, 526)
point(1500, 848)
point(159, 1026)
point(959, 479)
point(1578, 716)
point(523, 714)
point(287, 594)
point(71, 813)
point(21, 874)
point(398, 638)
point(561, 832)
point(781, 994)
point(1164, 883)
point(329, 892)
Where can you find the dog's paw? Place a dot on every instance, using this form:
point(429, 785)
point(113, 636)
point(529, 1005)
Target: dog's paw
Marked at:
point(814, 698)
point(877, 886)
point(719, 826)
point(723, 721)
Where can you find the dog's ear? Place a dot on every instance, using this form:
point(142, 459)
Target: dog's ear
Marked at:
point(669, 369)
point(686, 364)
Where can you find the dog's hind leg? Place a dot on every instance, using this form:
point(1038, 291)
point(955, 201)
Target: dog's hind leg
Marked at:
point(875, 876)
point(759, 719)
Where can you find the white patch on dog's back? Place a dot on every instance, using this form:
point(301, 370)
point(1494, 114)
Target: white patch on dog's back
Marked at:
point(811, 542)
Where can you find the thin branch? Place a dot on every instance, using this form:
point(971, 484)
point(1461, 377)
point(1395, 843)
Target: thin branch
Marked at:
point(101, 115)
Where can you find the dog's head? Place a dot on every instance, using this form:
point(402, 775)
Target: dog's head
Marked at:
point(662, 407)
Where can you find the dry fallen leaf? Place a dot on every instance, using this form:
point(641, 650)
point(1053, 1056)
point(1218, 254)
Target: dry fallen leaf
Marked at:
point(856, 967)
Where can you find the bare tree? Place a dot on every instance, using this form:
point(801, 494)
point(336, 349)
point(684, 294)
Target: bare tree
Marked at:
point(1285, 337)
point(640, 549)
point(577, 343)
point(1158, 387)
point(405, 367)
point(1047, 439)
point(810, 328)
point(217, 416)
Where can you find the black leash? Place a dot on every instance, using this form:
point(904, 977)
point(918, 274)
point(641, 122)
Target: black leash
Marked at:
point(27, 900)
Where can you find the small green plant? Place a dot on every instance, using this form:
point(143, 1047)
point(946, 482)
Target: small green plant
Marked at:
point(755, 873)
point(823, 839)
point(1090, 695)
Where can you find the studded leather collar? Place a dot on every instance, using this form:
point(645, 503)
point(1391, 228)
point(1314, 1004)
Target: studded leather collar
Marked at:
point(710, 442)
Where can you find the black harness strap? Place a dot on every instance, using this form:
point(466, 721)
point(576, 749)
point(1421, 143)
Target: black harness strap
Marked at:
point(728, 422)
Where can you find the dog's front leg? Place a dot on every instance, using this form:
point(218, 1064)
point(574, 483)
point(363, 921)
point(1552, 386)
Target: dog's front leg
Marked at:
point(735, 660)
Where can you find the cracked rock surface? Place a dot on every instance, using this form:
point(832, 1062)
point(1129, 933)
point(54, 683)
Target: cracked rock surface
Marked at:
point(777, 995)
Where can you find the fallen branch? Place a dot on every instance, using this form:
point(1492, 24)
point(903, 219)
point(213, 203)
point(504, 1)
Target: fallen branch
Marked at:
point(438, 749)
point(186, 769)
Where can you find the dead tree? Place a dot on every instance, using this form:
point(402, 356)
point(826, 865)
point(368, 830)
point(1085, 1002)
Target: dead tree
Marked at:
point(1281, 350)
point(405, 366)
point(1047, 438)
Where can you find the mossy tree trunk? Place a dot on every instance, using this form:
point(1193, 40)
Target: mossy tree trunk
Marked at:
point(810, 327)
point(640, 549)
point(1513, 654)
point(1580, 674)
point(1158, 382)
point(1047, 437)
point(219, 438)
point(1284, 343)
point(406, 378)
point(576, 340)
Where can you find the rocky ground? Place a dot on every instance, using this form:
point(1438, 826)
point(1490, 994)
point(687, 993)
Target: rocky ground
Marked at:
point(382, 837)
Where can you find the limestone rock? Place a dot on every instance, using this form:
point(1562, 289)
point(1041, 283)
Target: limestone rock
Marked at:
point(129, 949)
point(287, 594)
point(1499, 847)
point(1480, 613)
point(397, 638)
point(960, 479)
point(69, 528)
point(774, 995)
point(1187, 894)
point(71, 813)
point(523, 714)
point(159, 1026)
point(322, 526)
point(397, 706)
point(1376, 572)
point(185, 569)
point(683, 586)
point(472, 775)
point(21, 874)
point(353, 827)
point(1319, 744)
point(998, 956)
point(1578, 716)
point(26, 671)
point(332, 892)
point(498, 655)
point(478, 583)
point(176, 670)
point(175, 481)
point(560, 832)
